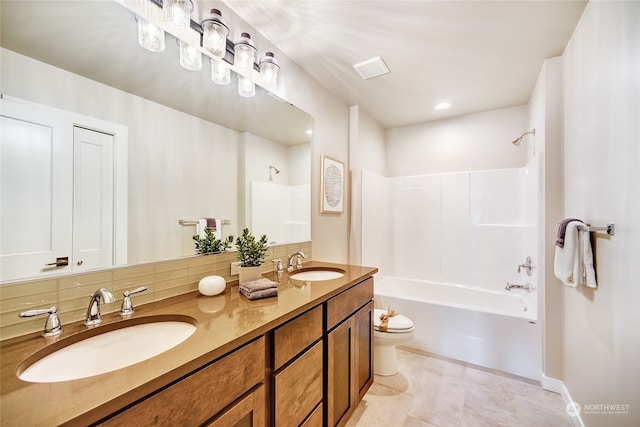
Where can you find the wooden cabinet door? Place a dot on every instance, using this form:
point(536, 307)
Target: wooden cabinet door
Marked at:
point(363, 350)
point(340, 372)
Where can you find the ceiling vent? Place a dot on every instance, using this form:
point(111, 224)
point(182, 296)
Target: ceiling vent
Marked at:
point(370, 68)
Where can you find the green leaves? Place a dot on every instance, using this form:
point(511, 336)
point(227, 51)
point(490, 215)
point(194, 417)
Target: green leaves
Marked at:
point(251, 252)
point(209, 244)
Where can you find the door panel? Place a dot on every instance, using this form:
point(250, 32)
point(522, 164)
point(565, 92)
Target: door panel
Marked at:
point(35, 196)
point(93, 199)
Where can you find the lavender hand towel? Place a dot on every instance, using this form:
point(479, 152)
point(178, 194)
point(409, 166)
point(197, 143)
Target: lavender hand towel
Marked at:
point(264, 293)
point(258, 285)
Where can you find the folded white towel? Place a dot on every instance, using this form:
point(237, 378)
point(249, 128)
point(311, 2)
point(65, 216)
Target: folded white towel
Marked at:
point(573, 264)
point(587, 259)
point(566, 263)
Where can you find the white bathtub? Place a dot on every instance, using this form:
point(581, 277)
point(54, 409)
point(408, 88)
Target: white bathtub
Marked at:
point(496, 330)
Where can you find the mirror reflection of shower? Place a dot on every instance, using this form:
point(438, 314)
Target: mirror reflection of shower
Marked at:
point(273, 169)
point(518, 140)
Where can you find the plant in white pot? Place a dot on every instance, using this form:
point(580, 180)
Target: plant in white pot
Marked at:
point(251, 254)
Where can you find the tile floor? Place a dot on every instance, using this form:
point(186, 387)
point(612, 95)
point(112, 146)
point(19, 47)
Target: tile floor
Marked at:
point(437, 392)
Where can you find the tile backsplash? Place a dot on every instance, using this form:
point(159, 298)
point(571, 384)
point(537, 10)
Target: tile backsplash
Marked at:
point(164, 280)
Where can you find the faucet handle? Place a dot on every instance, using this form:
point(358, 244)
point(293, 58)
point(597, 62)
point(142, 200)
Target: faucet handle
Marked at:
point(278, 261)
point(52, 326)
point(127, 306)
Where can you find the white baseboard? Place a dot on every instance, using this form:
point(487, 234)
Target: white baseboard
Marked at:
point(557, 386)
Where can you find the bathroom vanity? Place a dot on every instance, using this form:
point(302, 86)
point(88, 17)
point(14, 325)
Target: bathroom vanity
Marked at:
point(302, 358)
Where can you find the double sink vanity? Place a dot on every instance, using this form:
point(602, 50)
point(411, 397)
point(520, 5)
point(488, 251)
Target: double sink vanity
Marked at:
point(301, 358)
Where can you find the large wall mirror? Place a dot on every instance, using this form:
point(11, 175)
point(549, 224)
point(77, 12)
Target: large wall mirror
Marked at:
point(195, 149)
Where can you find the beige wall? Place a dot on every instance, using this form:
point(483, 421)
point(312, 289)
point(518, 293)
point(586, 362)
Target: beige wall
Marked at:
point(601, 69)
point(465, 143)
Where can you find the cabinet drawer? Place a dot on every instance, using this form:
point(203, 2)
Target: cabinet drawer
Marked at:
point(196, 398)
point(298, 388)
point(343, 305)
point(296, 335)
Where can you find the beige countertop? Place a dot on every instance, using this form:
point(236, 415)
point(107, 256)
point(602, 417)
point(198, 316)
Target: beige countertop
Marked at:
point(224, 322)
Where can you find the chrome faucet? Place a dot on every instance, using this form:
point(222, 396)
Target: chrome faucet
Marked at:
point(52, 326)
point(528, 287)
point(527, 266)
point(299, 256)
point(93, 311)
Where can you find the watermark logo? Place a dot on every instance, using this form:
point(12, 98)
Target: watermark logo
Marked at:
point(573, 409)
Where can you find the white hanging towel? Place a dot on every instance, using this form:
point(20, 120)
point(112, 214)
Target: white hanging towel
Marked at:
point(589, 273)
point(573, 263)
point(200, 226)
point(213, 223)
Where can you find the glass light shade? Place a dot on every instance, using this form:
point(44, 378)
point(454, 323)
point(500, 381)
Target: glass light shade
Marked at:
point(215, 32)
point(178, 12)
point(269, 70)
point(244, 53)
point(190, 57)
point(150, 36)
point(220, 72)
point(246, 87)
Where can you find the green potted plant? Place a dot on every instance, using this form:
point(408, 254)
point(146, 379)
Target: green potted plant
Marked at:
point(251, 253)
point(210, 244)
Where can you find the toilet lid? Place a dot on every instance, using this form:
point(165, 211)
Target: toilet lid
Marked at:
point(396, 323)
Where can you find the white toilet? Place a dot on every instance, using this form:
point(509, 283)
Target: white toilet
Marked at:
point(399, 331)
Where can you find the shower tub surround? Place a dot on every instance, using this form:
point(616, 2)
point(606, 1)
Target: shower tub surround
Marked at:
point(454, 241)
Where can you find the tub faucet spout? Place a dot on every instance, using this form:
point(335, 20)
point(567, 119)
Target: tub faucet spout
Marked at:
point(527, 287)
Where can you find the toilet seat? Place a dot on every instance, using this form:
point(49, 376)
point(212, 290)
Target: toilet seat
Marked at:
point(398, 324)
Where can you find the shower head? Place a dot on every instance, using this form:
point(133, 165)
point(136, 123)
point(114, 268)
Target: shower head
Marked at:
point(275, 169)
point(517, 141)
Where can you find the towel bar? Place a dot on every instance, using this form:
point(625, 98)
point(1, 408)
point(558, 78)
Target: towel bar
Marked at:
point(610, 228)
point(195, 222)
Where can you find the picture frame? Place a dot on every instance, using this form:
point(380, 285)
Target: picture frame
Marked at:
point(332, 181)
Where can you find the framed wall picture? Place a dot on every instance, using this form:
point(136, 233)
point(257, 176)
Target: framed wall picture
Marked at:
point(332, 185)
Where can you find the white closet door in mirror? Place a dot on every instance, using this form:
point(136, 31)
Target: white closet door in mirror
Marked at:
point(93, 199)
point(35, 191)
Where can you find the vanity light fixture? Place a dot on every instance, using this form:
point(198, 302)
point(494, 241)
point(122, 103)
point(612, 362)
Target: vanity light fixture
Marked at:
point(215, 33)
point(244, 53)
point(224, 55)
point(150, 36)
point(220, 72)
point(190, 57)
point(246, 87)
point(178, 12)
point(269, 69)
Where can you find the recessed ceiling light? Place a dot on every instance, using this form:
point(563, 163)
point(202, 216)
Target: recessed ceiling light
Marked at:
point(442, 106)
point(370, 68)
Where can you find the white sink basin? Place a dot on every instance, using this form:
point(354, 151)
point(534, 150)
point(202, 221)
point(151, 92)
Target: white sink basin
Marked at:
point(131, 342)
point(317, 275)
